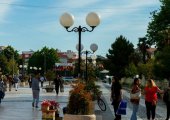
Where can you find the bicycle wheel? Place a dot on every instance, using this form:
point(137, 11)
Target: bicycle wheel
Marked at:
point(101, 104)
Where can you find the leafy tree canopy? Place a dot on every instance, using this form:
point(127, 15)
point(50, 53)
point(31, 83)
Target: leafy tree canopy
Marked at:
point(45, 58)
point(162, 63)
point(118, 56)
point(156, 32)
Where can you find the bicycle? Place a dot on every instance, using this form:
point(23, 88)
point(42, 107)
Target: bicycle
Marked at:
point(101, 103)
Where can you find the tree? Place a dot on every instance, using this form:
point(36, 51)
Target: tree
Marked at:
point(143, 46)
point(159, 22)
point(11, 53)
point(118, 56)
point(162, 63)
point(146, 69)
point(3, 64)
point(9, 60)
point(45, 58)
point(131, 70)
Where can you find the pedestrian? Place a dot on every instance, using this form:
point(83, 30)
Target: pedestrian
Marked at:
point(42, 80)
point(116, 96)
point(35, 89)
point(57, 83)
point(30, 80)
point(151, 98)
point(16, 80)
point(61, 85)
point(10, 81)
point(135, 97)
point(167, 101)
point(2, 89)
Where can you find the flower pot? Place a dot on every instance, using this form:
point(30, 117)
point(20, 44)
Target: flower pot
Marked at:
point(79, 117)
point(44, 107)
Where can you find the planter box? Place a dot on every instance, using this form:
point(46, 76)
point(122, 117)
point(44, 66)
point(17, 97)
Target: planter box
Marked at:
point(48, 115)
point(79, 117)
point(49, 88)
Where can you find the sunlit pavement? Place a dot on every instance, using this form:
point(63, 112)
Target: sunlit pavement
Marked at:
point(17, 105)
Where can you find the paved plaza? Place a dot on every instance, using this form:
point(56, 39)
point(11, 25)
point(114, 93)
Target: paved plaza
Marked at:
point(17, 105)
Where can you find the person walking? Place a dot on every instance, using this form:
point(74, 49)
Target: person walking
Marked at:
point(167, 101)
point(57, 83)
point(61, 85)
point(16, 80)
point(35, 89)
point(30, 80)
point(10, 81)
point(42, 79)
point(2, 89)
point(116, 96)
point(135, 98)
point(151, 98)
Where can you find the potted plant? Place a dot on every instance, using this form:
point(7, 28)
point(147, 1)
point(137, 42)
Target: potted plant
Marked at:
point(50, 75)
point(80, 105)
point(50, 109)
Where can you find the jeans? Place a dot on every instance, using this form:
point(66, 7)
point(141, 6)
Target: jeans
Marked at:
point(16, 86)
point(134, 112)
point(35, 97)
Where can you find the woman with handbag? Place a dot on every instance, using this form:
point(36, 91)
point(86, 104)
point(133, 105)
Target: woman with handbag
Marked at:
point(151, 98)
point(135, 98)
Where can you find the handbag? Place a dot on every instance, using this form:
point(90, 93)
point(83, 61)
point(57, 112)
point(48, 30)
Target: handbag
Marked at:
point(122, 108)
point(136, 95)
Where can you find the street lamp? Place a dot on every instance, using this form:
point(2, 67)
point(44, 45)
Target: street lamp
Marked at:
point(23, 67)
point(93, 48)
point(67, 20)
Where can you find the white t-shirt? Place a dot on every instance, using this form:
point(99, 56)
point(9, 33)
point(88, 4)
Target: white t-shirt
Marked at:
point(41, 79)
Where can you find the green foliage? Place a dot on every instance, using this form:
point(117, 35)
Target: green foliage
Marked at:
point(45, 58)
point(93, 89)
point(9, 60)
point(162, 63)
point(131, 70)
point(159, 23)
point(118, 56)
point(146, 69)
point(80, 100)
point(50, 76)
point(3, 64)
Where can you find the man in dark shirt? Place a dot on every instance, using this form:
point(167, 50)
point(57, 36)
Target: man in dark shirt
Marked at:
point(116, 96)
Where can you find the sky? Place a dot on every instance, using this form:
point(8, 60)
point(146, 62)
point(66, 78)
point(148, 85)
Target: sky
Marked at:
point(32, 24)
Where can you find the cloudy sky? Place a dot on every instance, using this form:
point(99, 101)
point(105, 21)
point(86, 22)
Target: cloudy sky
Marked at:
point(33, 24)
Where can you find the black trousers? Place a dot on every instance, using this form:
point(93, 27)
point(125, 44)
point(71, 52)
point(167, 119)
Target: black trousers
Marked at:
point(115, 106)
point(168, 110)
point(150, 109)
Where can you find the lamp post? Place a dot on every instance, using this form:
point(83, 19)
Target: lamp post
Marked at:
point(93, 48)
point(23, 67)
point(67, 20)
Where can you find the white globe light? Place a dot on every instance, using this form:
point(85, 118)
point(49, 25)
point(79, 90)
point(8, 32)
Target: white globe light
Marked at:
point(93, 19)
point(93, 47)
point(77, 47)
point(67, 20)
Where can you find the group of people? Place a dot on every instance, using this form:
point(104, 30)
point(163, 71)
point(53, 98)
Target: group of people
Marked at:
point(150, 94)
point(3, 85)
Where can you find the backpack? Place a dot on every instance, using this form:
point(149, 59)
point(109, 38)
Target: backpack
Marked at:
point(166, 96)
